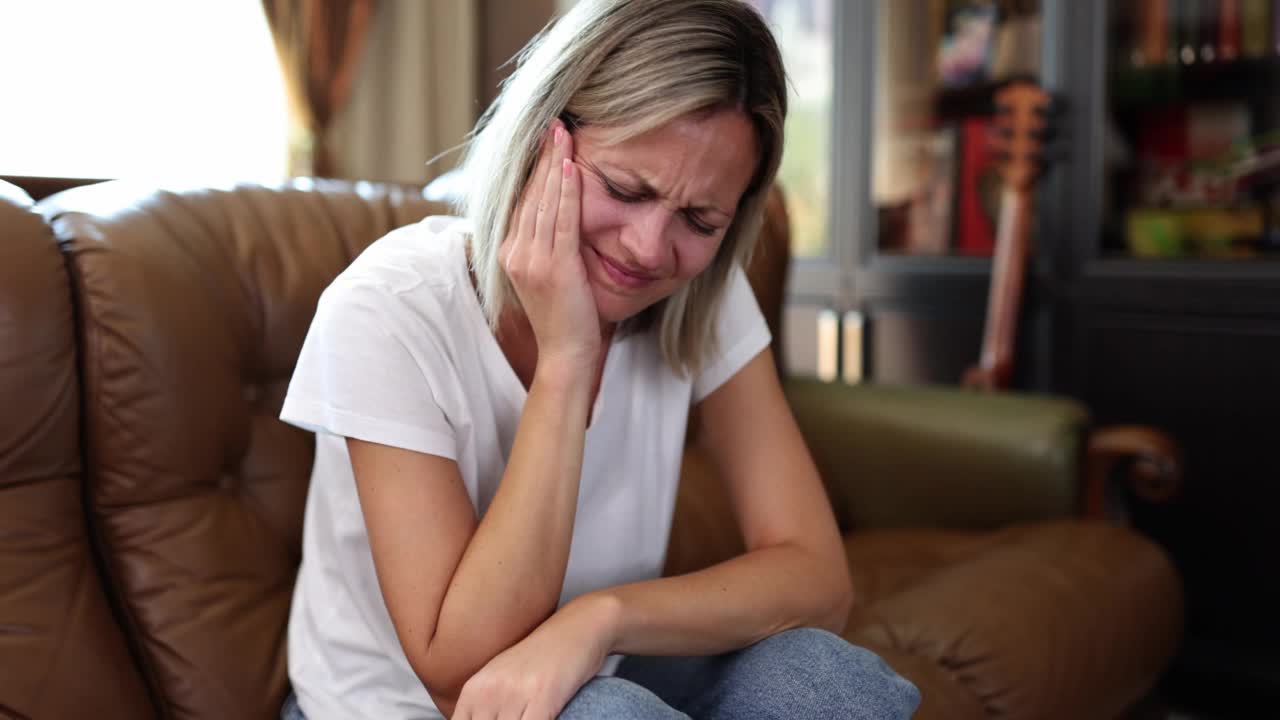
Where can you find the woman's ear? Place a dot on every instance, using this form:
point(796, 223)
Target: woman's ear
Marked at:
point(571, 121)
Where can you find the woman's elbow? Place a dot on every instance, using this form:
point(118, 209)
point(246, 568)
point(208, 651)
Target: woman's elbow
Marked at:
point(826, 592)
point(441, 680)
point(838, 618)
point(840, 599)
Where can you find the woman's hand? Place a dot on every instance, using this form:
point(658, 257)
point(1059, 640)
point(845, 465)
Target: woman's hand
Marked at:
point(535, 678)
point(540, 256)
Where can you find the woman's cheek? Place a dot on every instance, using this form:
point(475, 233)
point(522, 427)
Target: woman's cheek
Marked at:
point(696, 253)
point(598, 212)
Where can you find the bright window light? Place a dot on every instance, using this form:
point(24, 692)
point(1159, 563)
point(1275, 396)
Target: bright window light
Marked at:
point(174, 90)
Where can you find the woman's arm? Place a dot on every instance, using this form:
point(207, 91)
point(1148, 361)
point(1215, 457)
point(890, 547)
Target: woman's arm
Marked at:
point(460, 592)
point(794, 572)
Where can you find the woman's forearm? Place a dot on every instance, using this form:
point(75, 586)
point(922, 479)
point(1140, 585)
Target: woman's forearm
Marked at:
point(730, 605)
point(510, 576)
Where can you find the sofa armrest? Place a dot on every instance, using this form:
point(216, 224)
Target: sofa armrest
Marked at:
point(1129, 460)
point(943, 457)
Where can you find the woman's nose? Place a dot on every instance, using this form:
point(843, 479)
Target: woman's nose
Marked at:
point(645, 239)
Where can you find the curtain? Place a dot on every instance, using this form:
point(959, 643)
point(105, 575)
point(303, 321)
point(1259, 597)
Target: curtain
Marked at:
point(414, 95)
point(319, 43)
point(906, 81)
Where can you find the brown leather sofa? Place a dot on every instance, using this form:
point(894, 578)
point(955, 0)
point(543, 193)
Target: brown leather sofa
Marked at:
point(151, 502)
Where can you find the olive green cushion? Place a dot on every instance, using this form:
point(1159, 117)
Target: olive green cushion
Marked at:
point(940, 456)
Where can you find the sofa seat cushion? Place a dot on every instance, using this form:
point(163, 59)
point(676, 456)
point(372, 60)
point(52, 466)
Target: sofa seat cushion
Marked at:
point(1050, 620)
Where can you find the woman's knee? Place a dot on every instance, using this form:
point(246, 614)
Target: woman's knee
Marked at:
point(841, 679)
point(612, 697)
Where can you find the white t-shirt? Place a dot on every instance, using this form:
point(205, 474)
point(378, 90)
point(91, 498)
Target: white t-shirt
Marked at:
point(399, 354)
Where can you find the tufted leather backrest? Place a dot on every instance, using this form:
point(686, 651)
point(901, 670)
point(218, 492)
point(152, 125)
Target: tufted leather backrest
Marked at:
point(193, 307)
point(768, 269)
point(62, 655)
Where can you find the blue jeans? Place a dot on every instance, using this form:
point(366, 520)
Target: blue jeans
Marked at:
point(798, 674)
point(291, 711)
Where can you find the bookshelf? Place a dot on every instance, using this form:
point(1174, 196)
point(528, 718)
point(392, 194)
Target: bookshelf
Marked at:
point(1193, 130)
point(1159, 272)
point(939, 64)
point(1153, 293)
point(1135, 87)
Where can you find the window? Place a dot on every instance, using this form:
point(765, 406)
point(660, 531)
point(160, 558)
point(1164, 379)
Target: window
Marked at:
point(803, 29)
point(163, 89)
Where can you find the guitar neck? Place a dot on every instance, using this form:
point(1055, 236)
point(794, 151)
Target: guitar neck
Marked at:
point(1021, 126)
point(1007, 273)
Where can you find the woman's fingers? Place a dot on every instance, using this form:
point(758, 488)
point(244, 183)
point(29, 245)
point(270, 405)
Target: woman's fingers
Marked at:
point(569, 214)
point(514, 711)
point(536, 710)
point(494, 702)
point(540, 256)
point(549, 204)
point(527, 208)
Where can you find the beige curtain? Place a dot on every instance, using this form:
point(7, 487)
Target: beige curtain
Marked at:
point(318, 43)
point(414, 92)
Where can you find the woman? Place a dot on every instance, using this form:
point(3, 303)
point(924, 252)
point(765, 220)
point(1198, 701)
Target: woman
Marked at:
point(498, 450)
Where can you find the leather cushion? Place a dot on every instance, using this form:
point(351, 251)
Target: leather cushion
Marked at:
point(61, 650)
point(194, 305)
point(1050, 620)
point(1061, 619)
point(900, 456)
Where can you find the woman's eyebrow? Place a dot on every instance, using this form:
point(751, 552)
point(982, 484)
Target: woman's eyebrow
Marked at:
point(642, 186)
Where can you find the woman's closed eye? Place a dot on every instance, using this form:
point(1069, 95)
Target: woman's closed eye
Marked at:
point(698, 226)
point(618, 193)
point(622, 195)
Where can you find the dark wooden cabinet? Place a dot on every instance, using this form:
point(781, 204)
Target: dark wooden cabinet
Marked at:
point(1190, 344)
point(1212, 380)
point(1184, 339)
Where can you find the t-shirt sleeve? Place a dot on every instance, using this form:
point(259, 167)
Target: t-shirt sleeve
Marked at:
point(362, 374)
point(741, 333)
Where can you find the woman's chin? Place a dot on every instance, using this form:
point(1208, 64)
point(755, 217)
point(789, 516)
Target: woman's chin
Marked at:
point(612, 308)
point(612, 312)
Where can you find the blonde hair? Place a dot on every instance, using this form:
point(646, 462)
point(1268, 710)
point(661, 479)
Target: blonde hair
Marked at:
point(631, 66)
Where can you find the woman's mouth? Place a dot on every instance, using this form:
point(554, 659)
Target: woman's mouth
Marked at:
point(621, 276)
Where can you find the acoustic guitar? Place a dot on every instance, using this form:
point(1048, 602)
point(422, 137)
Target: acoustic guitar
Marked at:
point(1020, 129)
